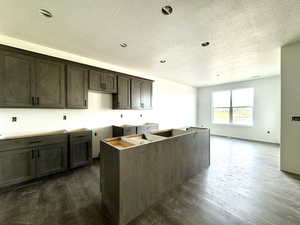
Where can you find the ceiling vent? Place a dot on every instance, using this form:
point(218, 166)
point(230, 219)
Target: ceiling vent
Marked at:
point(167, 10)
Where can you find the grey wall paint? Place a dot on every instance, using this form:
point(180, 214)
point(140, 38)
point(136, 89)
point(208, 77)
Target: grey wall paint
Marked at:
point(266, 110)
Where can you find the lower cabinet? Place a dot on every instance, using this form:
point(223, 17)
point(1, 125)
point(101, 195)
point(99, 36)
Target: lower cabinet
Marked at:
point(29, 158)
point(17, 166)
point(51, 159)
point(80, 149)
point(119, 131)
point(25, 159)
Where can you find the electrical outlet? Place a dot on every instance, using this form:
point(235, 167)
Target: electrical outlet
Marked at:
point(64, 117)
point(14, 119)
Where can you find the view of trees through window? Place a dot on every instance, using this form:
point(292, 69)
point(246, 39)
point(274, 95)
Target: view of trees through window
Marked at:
point(233, 106)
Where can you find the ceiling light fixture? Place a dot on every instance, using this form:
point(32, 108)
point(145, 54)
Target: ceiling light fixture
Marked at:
point(46, 13)
point(167, 10)
point(163, 61)
point(124, 45)
point(205, 44)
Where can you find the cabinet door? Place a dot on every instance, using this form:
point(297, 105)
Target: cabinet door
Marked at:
point(50, 84)
point(122, 98)
point(80, 152)
point(108, 82)
point(136, 88)
point(146, 95)
point(51, 159)
point(16, 166)
point(94, 80)
point(16, 80)
point(77, 87)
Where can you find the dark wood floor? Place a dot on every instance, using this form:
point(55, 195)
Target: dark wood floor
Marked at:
point(242, 186)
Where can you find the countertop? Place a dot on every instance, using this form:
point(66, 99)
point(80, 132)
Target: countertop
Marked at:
point(28, 135)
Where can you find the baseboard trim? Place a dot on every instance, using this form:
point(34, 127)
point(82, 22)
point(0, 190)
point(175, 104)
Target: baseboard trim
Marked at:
point(245, 139)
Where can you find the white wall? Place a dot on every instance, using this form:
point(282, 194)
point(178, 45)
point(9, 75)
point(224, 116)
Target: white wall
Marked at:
point(266, 110)
point(174, 105)
point(290, 130)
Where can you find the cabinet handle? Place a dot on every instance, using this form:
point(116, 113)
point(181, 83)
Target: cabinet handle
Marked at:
point(38, 153)
point(37, 100)
point(33, 100)
point(85, 102)
point(103, 85)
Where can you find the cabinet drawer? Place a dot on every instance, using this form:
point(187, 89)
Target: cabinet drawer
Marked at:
point(6, 145)
point(81, 135)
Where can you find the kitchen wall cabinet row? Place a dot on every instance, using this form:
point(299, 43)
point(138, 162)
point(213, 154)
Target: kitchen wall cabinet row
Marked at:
point(133, 93)
point(31, 80)
point(29, 158)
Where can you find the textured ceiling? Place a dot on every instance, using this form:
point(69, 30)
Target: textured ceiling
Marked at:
point(245, 35)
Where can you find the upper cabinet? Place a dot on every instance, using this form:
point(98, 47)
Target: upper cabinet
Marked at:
point(146, 94)
point(32, 80)
point(27, 81)
point(141, 94)
point(133, 93)
point(122, 100)
point(16, 80)
point(77, 87)
point(50, 84)
point(102, 80)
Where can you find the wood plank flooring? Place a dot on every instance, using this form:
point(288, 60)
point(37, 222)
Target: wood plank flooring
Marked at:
point(243, 186)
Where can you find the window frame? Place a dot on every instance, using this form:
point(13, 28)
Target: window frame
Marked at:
point(230, 123)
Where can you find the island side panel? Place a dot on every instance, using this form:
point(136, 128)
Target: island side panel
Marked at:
point(109, 181)
point(148, 171)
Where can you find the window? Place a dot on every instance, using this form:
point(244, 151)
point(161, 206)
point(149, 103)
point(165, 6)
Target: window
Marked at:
point(233, 106)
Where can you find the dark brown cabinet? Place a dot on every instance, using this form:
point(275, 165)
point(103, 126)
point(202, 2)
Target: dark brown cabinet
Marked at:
point(27, 81)
point(122, 100)
point(51, 159)
point(80, 149)
point(141, 94)
point(136, 93)
point(146, 94)
point(25, 159)
point(16, 166)
point(50, 84)
point(32, 80)
point(103, 80)
point(77, 87)
point(119, 131)
point(17, 80)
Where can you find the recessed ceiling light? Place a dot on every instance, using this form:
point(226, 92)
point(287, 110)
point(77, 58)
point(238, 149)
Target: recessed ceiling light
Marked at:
point(167, 10)
point(124, 45)
point(163, 61)
point(46, 13)
point(205, 44)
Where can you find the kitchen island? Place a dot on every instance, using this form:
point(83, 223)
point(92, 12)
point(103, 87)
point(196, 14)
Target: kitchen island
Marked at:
point(137, 170)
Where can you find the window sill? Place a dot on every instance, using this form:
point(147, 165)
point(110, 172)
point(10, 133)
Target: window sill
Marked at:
point(232, 124)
